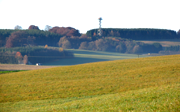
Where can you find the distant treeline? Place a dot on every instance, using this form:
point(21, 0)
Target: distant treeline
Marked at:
point(111, 44)
point(113, 40)
point(4, 34)
point(136, 34)
point(23, 55)
point(34, 36)
point(29, 37)
point(173, 48)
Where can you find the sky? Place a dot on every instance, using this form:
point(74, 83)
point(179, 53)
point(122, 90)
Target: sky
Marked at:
point(83, 14)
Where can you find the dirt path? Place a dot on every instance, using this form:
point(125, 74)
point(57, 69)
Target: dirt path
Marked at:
point(21, 67)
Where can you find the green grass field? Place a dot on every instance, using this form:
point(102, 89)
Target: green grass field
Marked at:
point(142, 84)
point(163, 42)
point(89, 56)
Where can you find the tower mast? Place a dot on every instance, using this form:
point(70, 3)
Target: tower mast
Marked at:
point(99, 30)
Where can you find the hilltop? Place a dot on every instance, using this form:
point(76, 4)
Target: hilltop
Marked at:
point(123, 85)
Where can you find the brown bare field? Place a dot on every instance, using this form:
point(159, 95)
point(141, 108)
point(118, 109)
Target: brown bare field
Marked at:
point(21, 67)
point(164, 43)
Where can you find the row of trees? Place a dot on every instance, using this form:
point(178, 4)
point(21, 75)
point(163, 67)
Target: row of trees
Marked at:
point(109, 44)
point(68, 37)
point(32, 37)
point(136, 34)
point(173, 48)
point(22, 55)
point(4, 34)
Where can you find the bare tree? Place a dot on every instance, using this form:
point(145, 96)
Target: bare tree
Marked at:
point(47, 28)
point(25, 59)
point(17, 27)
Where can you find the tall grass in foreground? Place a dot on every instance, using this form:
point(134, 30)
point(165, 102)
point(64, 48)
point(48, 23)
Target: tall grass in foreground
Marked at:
point(128, 85)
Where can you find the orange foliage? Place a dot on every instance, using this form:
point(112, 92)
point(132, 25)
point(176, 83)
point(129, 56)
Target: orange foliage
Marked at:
point(65, 31)
point(33, 27)
point(18, 55)
point(60, 49)
point(94, 34)
point(46, 46)
point(115, 39)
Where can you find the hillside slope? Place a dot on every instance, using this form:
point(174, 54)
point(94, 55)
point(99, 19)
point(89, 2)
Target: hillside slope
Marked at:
point(113, 85)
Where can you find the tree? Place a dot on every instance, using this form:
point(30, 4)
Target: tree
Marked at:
point(129, 46)
point(61, 40)
point(66, 44)
point(121, 48)
point(157, 47)
point(46, 46)
point(84, 45)
point(102, 45)
point(178, 33)
point(111, 33)
point(65, 31)
point(61, 49)
point(25, 59)
point(19, 57)
point(137, 49)
point(94, 34)
point(16, 39)
point(91, 45)
point(33, 27)
point(83, 36)
point(47, 28)
point(17, 27)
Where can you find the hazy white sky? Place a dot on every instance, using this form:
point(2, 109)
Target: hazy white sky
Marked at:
point(83, 14)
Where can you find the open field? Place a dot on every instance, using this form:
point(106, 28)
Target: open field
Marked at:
point(142, 84)
point(89, 56)
point(164, 43)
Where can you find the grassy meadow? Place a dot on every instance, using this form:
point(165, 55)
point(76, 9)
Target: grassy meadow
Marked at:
point(164, 43)
point(89, 56)
point(141, 84)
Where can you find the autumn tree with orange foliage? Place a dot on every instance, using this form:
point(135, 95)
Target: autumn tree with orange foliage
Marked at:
point(33, 27)
point(19, 38)
point(46, 46)
point(65, 31)
point(19, 57)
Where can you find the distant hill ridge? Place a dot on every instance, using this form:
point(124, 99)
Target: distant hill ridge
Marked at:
point(136, 33)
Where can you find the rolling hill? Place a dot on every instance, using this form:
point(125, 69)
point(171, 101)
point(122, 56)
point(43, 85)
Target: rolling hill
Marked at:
point(142, 84)
point(89, 56)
